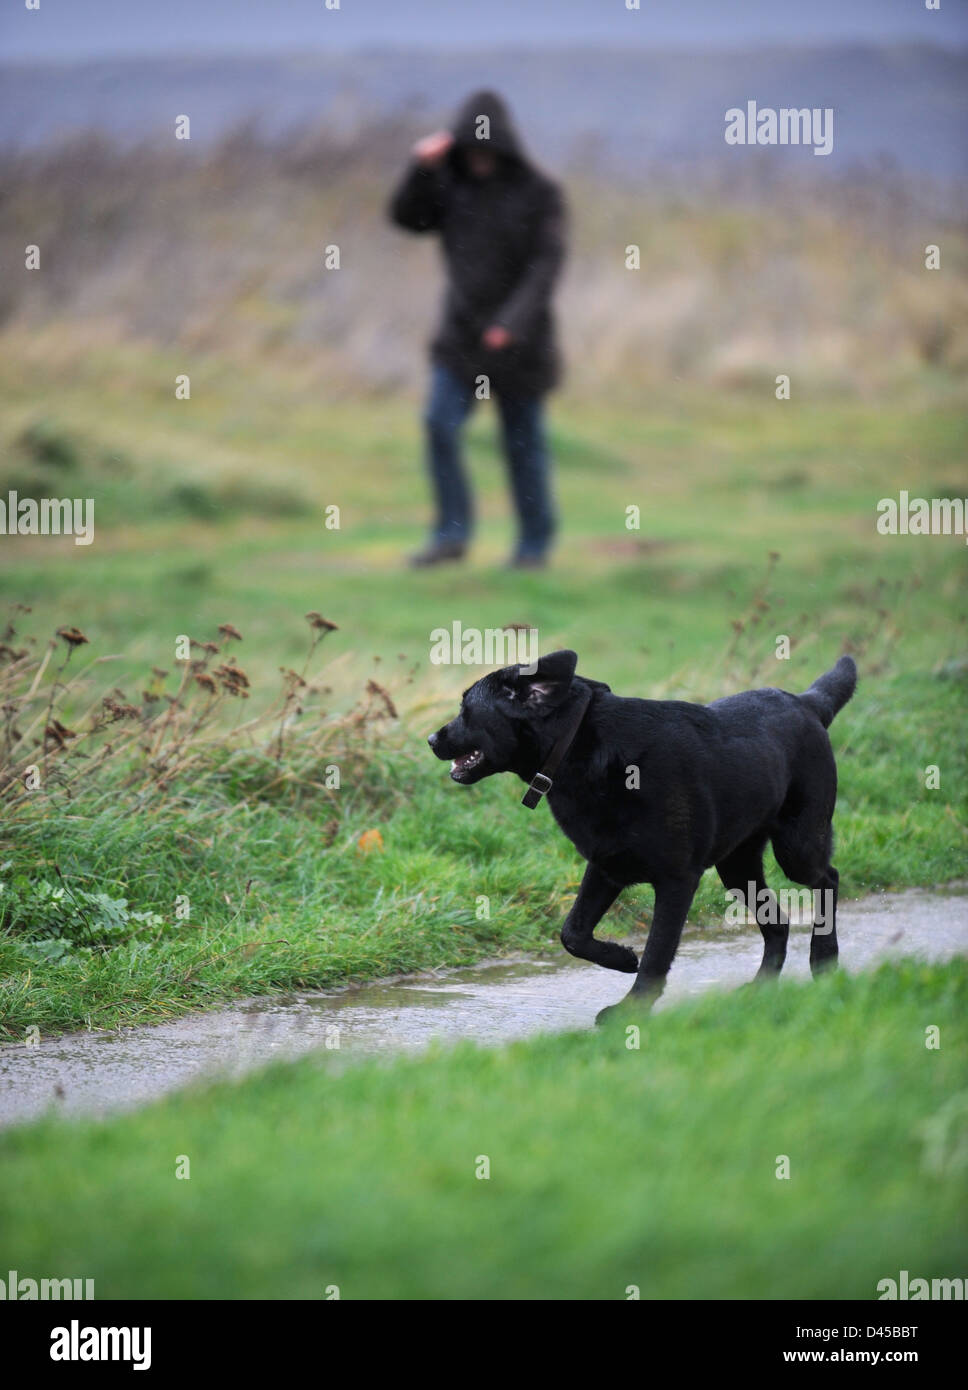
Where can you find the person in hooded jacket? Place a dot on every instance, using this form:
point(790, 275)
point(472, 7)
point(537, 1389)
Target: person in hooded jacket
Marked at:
point(501, 227)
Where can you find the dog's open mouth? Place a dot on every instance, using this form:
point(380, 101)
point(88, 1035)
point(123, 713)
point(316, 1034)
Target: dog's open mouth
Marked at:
point(466, 763)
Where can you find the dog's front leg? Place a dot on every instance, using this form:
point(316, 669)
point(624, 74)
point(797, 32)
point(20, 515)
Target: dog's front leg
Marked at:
point(672, 899)
point(595, 897)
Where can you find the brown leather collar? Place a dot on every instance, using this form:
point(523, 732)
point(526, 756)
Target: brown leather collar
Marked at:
point(541, 783)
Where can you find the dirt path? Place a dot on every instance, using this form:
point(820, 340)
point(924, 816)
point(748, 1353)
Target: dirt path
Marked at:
point(94, 1073)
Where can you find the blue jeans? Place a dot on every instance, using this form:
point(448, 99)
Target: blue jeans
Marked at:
point(522, 423)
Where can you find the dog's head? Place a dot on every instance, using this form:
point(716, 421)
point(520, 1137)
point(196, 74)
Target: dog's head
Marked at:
point(502, 718)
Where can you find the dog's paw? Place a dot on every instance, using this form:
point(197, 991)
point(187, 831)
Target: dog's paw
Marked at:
point(761, 978)
point(632, 1009)
point(616, 957)
point(603, 1015)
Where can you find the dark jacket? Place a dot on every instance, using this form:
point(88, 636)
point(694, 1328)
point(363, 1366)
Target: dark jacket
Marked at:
point(503, 240)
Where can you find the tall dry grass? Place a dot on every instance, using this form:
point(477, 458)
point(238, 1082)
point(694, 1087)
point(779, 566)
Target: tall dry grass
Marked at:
point(222, 251)
point(67, 733)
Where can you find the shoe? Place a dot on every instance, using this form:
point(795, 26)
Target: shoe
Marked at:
point(527, 562)
point(438, 553)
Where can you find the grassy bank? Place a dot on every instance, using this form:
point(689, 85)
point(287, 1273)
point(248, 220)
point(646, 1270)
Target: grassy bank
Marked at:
point(281, 891)
point(609, 1166)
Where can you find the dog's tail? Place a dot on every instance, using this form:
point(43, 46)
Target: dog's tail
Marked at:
point(831, 691)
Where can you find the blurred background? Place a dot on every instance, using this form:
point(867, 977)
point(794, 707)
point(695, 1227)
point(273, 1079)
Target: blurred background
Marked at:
point(206, 257)
point(301, 118)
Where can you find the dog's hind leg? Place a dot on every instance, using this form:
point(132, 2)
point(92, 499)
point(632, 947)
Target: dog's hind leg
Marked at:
point(803, 853)
point(595, 897)
point(737, 871)
point(823, 941)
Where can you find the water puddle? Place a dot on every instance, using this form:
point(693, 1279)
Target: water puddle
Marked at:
point(94, 1073)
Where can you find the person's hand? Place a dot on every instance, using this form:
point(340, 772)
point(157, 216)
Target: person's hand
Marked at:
point(496, 337)
point(432, 148)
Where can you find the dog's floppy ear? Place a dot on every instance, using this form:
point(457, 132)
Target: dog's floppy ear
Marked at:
point(550, 683)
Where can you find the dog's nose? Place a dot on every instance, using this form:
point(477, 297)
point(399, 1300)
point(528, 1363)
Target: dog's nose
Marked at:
point(432, 740)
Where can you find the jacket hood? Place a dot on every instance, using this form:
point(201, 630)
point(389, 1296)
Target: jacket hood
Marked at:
point(503, 138)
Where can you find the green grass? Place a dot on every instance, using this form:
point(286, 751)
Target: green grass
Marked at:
point(610, 1167)
point(280, 895)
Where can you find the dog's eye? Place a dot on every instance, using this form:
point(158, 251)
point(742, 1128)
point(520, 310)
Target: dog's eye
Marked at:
point(509, 692)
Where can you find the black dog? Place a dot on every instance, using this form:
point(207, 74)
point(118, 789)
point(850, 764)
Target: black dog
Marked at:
point(657, 791)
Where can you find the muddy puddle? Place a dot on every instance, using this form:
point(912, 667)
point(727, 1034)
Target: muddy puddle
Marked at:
point(94, 1073)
